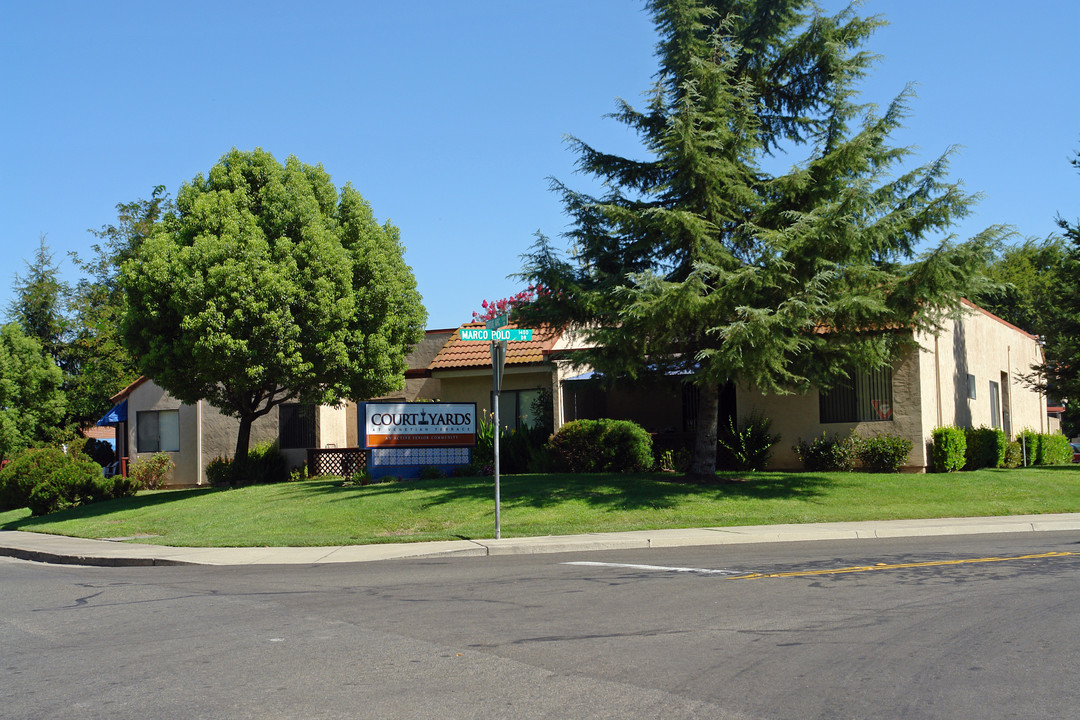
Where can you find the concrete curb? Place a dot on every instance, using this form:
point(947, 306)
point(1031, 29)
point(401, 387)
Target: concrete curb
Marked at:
point(111, 553)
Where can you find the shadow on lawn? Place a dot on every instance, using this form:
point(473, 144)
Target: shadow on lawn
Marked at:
point(106, 507)
point(615, 492)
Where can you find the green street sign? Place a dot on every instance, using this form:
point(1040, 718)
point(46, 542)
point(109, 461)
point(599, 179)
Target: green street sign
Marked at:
point(501, 335)
point(496, 322)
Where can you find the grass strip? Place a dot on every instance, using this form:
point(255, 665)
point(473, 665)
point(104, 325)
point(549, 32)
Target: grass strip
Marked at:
point(325, 511)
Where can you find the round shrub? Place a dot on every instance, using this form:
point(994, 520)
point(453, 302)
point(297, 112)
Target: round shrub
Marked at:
point(584, 446)
point(825, 453)
point(73, 484)
point(266, 464)
point(44, 499)
point(151, 472)
point(883, 452)
point(25, 472)
point(219, 472)
point(47, 480)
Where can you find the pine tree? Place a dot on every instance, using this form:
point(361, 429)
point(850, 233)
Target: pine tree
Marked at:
point(700, 260)
point(40, 300)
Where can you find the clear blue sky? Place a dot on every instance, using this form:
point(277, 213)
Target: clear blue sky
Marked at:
point(449, 117)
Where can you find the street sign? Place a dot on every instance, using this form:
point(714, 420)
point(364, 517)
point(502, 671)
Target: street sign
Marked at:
point(501, 335)
point(496, 322)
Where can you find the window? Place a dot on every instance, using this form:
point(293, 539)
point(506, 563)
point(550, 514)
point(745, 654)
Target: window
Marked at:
point(971, 387)
point(995, 406)
point(157, 431)
point(865, 396)
point(516, 408)
point(296, 426)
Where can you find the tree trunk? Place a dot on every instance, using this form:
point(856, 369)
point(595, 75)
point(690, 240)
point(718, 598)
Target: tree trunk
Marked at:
point(704, 464)
point(240, 459)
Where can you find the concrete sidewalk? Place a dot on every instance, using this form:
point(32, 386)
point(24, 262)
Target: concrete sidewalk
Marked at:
point(79, 551)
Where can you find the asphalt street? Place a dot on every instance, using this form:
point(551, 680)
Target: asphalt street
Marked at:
point(971, 626)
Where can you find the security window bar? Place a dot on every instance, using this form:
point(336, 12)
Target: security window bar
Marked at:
point(157, 431)
point(865, 396)
point(296, 426)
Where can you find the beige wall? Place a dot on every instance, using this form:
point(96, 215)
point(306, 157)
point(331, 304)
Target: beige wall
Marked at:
point(476, 385)
point(797, 417)
point(930, 389)
point(218, 435)
point(983, 346)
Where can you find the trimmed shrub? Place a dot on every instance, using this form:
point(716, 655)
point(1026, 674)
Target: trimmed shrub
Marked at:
point(47, 480)
point(25, 472)
point(985, 448)
point(266, 464)
point(1014, 455)
point(1031, 443)
point(826, 453)
point(749, 448)
point(883, 452)
point(1055, 450)
point(150, 472)
point(80, 482)
point(430, 472)
point(219, 472)
point(948, 450)
point(584, 446)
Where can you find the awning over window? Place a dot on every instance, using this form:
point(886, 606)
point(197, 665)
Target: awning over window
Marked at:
point(117, 415)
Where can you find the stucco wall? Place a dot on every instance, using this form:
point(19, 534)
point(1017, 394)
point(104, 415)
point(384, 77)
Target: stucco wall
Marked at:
point(796, 417)
point(991, 350)
point(476, 385)
point(149, 396)
point(218, 436)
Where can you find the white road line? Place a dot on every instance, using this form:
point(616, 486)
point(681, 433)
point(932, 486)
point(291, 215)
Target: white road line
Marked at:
point(659, 568)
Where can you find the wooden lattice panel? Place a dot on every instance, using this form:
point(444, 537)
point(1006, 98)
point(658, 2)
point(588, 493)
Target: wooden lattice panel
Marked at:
point(342, 462)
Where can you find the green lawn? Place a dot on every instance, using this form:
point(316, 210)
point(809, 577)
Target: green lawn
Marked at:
point(323, 511)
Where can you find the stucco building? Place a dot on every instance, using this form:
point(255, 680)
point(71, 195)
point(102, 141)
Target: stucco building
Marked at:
point(970, 374)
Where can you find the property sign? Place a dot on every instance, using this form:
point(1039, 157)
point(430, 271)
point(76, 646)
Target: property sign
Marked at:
point(419, 424)
point(500, 335)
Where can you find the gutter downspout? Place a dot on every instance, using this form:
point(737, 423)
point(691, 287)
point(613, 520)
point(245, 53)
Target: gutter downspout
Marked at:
point(937, 380)
point(1012, 418)
point(198, 444)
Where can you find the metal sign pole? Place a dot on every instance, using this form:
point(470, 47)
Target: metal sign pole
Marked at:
point(498, 357)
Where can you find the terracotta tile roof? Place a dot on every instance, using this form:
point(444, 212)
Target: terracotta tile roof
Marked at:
point(459, 354)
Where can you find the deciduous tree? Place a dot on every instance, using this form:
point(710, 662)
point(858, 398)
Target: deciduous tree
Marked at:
point(1061, 373)
point(31, 399)
point(270, 285)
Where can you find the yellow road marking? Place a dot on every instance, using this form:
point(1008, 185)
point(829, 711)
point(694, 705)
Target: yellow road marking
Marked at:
point(899, 566)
